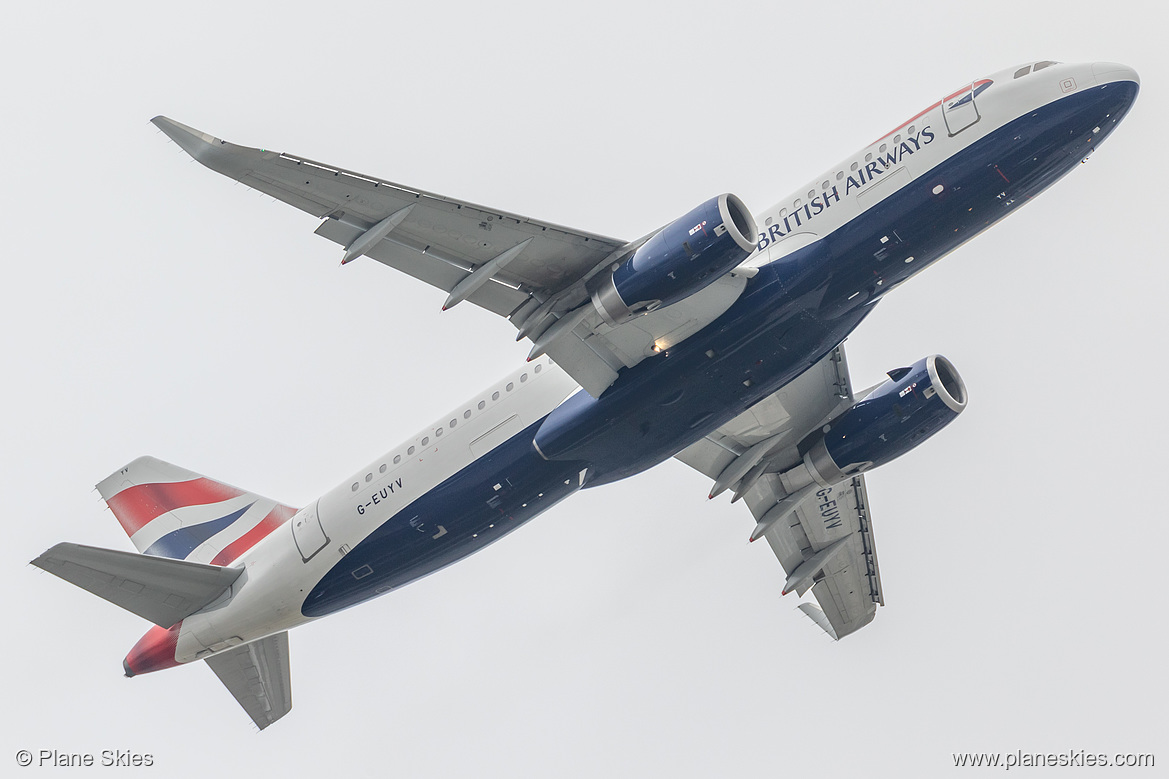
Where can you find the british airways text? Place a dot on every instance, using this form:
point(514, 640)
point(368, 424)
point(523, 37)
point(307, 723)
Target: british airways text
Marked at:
point(855, 181)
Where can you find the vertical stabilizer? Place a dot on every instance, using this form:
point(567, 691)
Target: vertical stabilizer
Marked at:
point(168, 511)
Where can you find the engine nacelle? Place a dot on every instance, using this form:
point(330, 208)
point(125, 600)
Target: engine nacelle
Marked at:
point(911, 406)
point(684, 257)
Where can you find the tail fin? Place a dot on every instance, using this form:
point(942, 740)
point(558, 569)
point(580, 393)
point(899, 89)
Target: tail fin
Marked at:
point(168, 511)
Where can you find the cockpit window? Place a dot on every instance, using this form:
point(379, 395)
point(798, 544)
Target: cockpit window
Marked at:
point(1034, 68)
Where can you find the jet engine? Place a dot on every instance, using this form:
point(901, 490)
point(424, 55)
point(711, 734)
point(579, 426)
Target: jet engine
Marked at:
point(911, 406)
point(684, 257)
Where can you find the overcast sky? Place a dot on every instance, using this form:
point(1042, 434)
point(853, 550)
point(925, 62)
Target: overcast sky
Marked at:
point(151, 306)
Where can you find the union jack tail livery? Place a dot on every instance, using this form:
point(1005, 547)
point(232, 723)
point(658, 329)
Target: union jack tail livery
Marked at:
point(168, 511)
point(188, 530)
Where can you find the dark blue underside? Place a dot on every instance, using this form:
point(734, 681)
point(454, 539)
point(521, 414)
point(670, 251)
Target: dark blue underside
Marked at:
point(792, 313)
point(466, 509)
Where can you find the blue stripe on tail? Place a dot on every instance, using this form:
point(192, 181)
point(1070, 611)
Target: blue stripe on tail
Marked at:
point(178, 544)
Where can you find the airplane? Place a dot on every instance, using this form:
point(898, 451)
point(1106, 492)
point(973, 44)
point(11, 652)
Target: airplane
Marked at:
point(715, 339)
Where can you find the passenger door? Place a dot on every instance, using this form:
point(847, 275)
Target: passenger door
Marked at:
point(308, 533)
point(959, 110)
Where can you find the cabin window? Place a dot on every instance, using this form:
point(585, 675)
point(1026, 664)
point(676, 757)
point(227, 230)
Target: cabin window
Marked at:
point(410, 450)
point(538, 367)
point(382, 469)
point(482, 404)
point(510, 386)
point(425, 440)
point(355, 486)
point(854, 166)
point(523, 377)
point(368, 478)
point(397, 459)
point(495, 396)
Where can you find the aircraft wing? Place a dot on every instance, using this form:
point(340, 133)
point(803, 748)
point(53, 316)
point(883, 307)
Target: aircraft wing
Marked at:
point(826, 545)
point(259, 676)
point(532, 272)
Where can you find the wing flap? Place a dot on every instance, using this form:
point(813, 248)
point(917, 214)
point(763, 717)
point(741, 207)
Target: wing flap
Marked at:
point(259, 676)
point(848, 587)
point(415, 259)
point(159, 589)
point(826, 542)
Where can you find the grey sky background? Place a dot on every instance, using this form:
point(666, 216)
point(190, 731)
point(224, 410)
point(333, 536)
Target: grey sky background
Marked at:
point(151, 306)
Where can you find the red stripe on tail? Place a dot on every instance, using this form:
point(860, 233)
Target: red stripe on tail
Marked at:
point(136, 506)
point(276, 517)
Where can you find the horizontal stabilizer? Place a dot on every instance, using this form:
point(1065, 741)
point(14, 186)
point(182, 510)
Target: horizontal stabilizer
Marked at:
point(161, 590)
point(258, 675)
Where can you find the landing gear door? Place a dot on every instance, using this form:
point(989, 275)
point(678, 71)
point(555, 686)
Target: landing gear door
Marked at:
point(308, 533)
point(960, 111)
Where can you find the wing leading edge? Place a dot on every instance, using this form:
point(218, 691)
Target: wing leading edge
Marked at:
point(531, 272)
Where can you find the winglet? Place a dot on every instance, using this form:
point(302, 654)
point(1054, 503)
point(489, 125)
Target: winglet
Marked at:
point(816, 615)
point(215, 153)
point(190, 140)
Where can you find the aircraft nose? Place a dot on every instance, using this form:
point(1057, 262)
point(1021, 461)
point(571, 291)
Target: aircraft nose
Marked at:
point(1106, 72)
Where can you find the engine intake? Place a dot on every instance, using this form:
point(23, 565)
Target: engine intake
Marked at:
point(684, 257)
